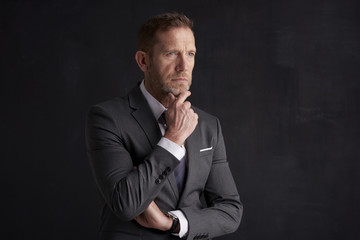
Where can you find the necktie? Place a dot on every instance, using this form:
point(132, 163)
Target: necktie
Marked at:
point(180, 170)
point(162, 119)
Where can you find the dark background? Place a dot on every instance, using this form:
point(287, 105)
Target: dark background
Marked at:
point(282, 76)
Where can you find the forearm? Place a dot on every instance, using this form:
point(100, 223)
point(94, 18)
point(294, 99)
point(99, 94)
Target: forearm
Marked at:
point(213, 221)
point(126, 191)
point(224, 209)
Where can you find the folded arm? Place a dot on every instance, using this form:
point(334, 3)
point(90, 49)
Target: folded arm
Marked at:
point(126, 191)
point(224, 209)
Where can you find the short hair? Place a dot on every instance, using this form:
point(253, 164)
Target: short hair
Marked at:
point(161, 22)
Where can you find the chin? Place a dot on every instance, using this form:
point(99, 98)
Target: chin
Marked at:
point(177, 91)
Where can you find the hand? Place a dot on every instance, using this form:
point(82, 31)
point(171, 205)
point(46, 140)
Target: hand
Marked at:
point(181, 119)
point(153, 217)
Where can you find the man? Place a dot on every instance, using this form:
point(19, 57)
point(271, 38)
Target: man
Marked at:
point(154, 156)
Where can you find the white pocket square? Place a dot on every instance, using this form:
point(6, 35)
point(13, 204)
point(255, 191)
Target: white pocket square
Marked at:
point(205, 149)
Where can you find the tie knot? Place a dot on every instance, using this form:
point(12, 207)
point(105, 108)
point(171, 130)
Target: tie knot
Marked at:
point(162, 119)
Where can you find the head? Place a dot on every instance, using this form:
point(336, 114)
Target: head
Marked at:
point(166, 54)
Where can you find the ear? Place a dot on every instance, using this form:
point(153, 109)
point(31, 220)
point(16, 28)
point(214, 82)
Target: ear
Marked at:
point(142, 60)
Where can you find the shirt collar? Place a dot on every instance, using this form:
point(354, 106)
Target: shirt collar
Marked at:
point(156, 107)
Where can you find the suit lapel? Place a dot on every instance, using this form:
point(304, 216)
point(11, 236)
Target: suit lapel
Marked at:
point(145, 117)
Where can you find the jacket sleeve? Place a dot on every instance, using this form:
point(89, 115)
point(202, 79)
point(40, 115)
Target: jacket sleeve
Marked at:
point(224, 209)
point(126, 191)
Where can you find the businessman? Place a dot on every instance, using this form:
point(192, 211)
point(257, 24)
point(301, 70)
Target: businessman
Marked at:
point(159, 163)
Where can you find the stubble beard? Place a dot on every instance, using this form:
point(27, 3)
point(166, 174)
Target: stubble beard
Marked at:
point(166, 86)
point(175, 90)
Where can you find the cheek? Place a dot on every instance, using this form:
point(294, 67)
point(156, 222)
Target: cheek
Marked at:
point(192, 64)
point(167, 70)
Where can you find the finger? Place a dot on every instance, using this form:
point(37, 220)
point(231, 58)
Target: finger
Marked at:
point(187, 105)
point(183, 96)
point(152, 203)
point(170, 100)
point(196, 116)
point(155, 206)
point(171, 97)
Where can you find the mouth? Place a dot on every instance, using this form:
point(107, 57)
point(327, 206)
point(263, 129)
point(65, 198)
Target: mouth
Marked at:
point(179, 79)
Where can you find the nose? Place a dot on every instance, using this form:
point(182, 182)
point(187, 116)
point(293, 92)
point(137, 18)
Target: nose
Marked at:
point(182, 63)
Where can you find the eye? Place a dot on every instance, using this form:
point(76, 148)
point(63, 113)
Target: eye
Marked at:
point(171, 53)
point(191, 54)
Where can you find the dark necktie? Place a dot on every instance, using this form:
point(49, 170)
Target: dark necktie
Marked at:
point(162, 119)
point(180, 170)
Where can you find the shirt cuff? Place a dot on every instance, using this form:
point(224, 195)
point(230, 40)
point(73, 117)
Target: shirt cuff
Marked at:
point(173, 148)
point(184, 224)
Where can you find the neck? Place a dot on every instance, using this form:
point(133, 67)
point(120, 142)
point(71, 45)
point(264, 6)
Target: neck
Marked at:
point(159, 95)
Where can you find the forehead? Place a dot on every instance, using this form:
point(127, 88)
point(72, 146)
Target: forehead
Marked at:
point(175, 37)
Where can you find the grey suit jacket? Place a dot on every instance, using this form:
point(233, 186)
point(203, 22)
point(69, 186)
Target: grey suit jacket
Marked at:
point(123, 133)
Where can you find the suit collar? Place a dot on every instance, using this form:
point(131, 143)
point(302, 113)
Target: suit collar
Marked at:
point(136, 98)
point(156, 107)
point(144, 116)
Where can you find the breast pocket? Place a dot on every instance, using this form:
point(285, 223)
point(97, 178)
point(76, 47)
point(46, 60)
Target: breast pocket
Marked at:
point(206, 155)
point(206, 151)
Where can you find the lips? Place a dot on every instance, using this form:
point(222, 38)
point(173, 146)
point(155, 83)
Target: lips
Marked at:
point(179, 79)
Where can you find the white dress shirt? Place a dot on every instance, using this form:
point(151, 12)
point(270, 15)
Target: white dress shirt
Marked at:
point(178, 151)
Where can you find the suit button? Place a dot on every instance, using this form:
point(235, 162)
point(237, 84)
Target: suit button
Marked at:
point(161, 177)
point(168, 169)
point(157, 181)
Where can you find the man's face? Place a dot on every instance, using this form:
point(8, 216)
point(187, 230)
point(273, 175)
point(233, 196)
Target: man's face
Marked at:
point(171, 62)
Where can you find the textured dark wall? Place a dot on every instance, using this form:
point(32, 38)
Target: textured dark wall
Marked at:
point(282, 76)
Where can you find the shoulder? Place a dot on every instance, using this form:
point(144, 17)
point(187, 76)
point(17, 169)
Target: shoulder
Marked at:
point(111, 108)
point(108, 114)
point(113, 105)
point(119, 106)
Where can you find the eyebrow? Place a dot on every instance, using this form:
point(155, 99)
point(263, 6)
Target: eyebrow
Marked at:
point(176, 50)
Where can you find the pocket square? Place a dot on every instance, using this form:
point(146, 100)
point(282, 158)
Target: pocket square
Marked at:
point(205, 149)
